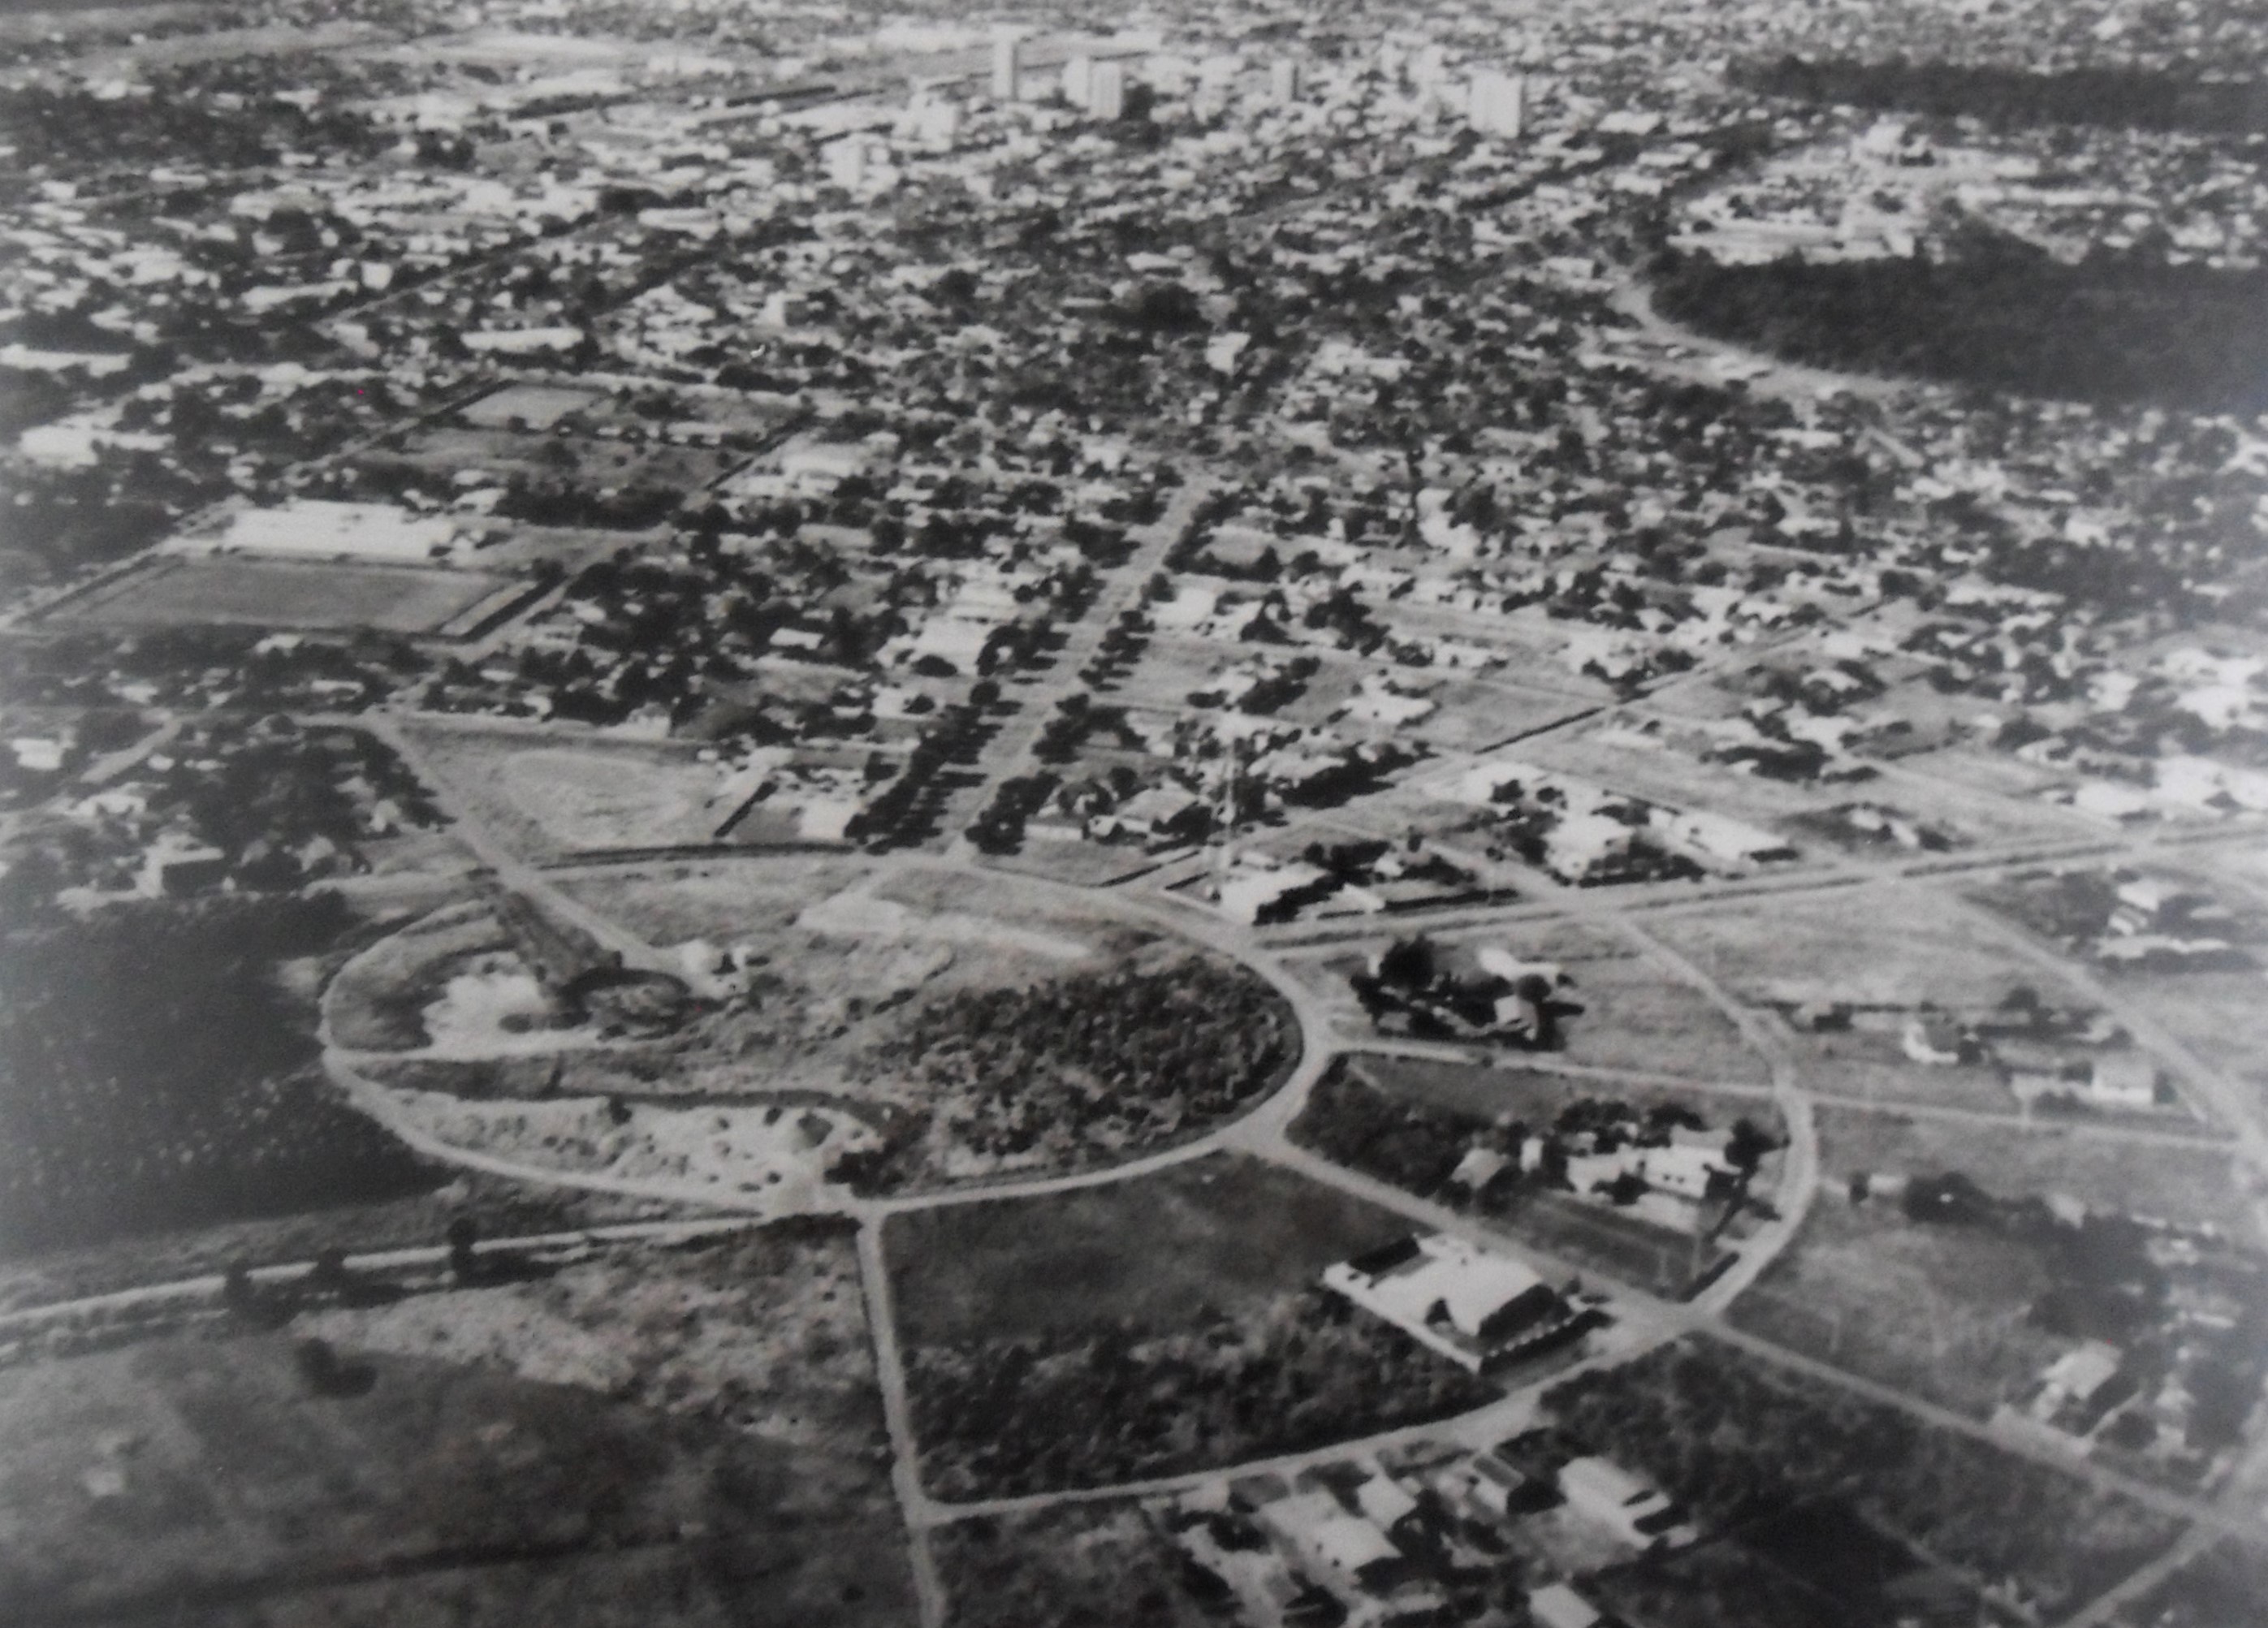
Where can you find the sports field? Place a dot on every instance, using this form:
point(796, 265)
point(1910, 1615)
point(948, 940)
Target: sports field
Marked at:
point(233, 591)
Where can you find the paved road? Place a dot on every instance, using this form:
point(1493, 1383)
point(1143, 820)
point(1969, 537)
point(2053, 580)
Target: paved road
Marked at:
point(1010, 752)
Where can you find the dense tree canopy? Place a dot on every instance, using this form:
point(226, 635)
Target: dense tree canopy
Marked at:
point(1995, 313)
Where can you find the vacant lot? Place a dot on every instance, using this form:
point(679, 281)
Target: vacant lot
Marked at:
point(1870, 1064)
point(212, 1478)
point(1915, 949)
point(585, 796)
point(1939, 1311)
point(2174, 1183)
point(239, 590)
point(759, 1332)
point(1163, 1252)
point(1163, 1324)
point(377, 1001)
point(1101, 1566)
point(1537, 1099)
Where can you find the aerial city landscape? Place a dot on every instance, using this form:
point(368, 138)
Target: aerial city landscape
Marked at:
point(1247, 813)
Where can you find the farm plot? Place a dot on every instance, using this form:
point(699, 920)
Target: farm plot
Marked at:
point(1162, 1324)
point(242, 591)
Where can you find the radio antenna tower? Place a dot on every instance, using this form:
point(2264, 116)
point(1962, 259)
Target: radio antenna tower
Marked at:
point(1227, 820)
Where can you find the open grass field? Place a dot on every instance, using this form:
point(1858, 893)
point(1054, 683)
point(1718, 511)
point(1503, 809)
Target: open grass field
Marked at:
point(243, 591)
point(1870, 1064)
point(1914, 951)
point(1164, 1252)
point(2221, 1016)
point(537, 406)
point(2171, 1183)
point(208, 1479)
point(1937, 1311)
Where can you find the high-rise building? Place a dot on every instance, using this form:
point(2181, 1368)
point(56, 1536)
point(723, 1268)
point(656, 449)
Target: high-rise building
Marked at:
point(1283, 80)
point(1106, 92)
point(1007, 68)
point(846, 162)
point(1499, 104)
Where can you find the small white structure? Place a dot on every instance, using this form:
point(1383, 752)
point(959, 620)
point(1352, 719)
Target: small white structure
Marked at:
point(1496, 104)
point(1602, 1491)
point(1106, 92)
point(1558, 1606)
point(2126, 1079)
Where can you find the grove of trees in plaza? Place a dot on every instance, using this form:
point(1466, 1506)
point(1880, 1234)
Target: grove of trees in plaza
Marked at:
point(1095, 1063)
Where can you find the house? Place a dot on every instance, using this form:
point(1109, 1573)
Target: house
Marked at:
point(1556, 1605)
point(1277, 894)
point(1160, 815)
point(2123, 1079)
point(1684, 1170)
point(1494, 1485)
point(1602, 1491)
point(1936, 1040)
point(1475, 1307)
point(2076, 1386)
point(1385, 1502)
point(1478, 1168)
point(176, 863)
point(1326, 1537)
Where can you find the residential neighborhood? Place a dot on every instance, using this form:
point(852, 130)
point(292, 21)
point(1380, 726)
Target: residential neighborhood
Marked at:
point(1234, 812)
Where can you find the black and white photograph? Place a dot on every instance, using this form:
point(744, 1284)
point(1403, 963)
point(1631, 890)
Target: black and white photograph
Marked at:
point(1218, 814)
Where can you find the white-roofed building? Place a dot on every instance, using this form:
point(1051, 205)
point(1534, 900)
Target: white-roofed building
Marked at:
point(1472, 1305)
point(1604, 1491)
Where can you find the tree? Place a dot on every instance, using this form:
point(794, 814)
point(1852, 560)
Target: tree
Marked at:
point(464, 1234)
